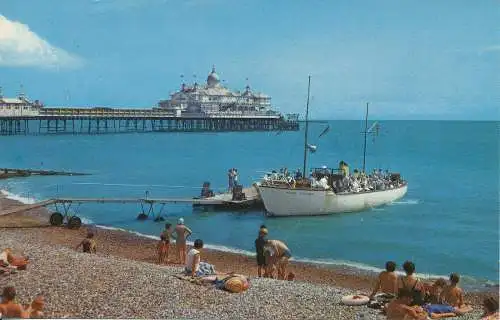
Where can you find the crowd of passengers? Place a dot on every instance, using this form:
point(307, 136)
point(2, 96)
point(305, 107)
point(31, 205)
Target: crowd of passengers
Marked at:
point(358, 181)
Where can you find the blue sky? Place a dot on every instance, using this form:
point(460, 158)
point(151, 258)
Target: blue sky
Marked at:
point(426, 59)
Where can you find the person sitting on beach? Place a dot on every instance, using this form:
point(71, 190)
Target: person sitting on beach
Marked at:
point(277, 255)
point(400, 309)
point(259, 248)
point(194, 266)
point(35, 309)
point(433, 293)
point(387, 282)
point(412, 283)
point(453, 295)
point(182, 233)
point(88, 244)
point(490, 306)
point(20, 263)
point(9, 308)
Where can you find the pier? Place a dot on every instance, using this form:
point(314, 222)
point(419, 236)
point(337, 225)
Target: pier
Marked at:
point(59, 120)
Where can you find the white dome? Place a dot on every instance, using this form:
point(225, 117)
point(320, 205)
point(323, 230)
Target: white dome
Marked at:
point(213, 78)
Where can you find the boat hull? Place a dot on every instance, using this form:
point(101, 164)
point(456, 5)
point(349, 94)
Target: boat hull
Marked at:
point(301, 202)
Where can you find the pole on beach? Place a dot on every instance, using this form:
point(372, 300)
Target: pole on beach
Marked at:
point(306, 128)
point(366, 132)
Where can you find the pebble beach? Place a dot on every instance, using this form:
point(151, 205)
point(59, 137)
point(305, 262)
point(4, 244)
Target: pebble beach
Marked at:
point(124, 281)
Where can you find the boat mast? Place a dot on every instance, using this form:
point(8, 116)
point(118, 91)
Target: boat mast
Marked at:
point(366, 132)
point(307, 127)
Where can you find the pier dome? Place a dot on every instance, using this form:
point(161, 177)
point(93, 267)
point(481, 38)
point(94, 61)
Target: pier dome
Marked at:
point(213, 78)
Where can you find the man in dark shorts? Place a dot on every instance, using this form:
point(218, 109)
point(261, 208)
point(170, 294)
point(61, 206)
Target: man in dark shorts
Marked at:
point(259, 248)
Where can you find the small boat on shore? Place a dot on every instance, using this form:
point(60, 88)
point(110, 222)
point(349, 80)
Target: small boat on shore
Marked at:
point(328, 190)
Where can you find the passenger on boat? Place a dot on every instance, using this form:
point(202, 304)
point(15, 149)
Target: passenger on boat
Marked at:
point(298, 174)
point(387, 281)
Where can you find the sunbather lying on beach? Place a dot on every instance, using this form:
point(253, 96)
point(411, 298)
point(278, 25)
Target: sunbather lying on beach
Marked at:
point(88, 244)
point(9, 308)
point(19, 262)
point(387, 281)
point(194, 266)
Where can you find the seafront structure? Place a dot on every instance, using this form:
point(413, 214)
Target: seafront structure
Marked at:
point(210, 107)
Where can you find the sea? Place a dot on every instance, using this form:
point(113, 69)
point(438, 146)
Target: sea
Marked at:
point(447, 222)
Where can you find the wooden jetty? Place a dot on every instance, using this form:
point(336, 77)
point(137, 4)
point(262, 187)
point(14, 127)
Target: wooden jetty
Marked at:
point(11, 173)
point(63, 205)
point(101, 120)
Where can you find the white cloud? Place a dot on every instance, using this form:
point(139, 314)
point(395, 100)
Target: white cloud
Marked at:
point(21, 47)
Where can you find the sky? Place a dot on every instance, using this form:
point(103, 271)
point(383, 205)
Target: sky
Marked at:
point(421, 59)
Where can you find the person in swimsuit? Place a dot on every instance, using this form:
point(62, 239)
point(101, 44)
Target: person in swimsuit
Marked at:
point(454, 296)
point(276, 255)
point(259, 248)
point(9, 308)
point(412, 283)
point(490, 306)
point(387, 281)
point(164, 244)
point(35, 310)
point(400, 309)
point(182, 233)
point(88, 244)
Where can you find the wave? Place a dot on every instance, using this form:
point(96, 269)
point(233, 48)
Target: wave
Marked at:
point(16, 197)
point(407, 202)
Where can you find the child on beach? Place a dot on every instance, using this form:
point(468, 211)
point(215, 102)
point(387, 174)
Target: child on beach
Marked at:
point(259, 248)
point(88, 244)
point(164, 244)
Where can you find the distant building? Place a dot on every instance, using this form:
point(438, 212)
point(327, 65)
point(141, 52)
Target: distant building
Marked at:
point(20, 106)
point(215, 99)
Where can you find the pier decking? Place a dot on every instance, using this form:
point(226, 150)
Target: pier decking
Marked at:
point(108, 120)
point(147, 205)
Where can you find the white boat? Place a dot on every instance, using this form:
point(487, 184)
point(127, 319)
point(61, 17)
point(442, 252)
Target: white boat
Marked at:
point(330, 190)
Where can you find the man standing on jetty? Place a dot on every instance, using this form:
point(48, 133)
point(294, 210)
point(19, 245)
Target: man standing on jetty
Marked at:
point(277, 254)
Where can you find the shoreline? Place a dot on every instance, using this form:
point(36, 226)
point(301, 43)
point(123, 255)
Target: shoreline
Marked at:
point(314, 294)
point(338, 270)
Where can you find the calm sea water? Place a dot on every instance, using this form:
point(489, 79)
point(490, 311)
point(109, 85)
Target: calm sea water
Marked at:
point(448, 221)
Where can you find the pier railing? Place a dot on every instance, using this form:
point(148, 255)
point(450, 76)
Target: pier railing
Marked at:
point(107, 120)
